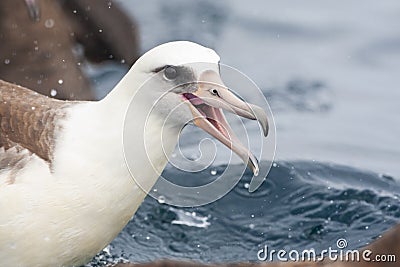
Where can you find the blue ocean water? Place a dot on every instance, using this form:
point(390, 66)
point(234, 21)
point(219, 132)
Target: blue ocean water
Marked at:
point(302, 205)
point(330, 73)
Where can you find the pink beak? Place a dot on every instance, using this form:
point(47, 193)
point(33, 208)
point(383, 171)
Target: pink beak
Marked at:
point(207, 103)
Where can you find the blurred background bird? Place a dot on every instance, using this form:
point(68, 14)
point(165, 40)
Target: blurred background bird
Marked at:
point(44, 44)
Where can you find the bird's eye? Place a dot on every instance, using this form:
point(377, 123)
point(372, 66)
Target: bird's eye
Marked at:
point(214, 92)
point(170, 73)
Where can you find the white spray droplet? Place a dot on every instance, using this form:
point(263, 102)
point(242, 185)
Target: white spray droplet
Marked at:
point(53, 92)
point(6, 61)
point(161, 199)
point(213, 172)
point(60, 81)
point(246, 185)
point(49, 23)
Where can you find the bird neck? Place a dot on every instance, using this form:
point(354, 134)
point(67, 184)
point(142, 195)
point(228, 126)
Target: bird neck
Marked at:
point(146, 141)
point(118, 99)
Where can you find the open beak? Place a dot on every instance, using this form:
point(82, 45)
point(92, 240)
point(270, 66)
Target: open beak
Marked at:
point(206, 104)
point(33, 9)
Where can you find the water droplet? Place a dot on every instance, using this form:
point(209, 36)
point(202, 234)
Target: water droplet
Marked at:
point(6, 61)
point(100, 30)
point(274, 164)
point(161, 199)
point(107, 250)
point(122, 61)
point(366, 227)
point(246, 185)
point(252, 215)
point(33, 108)
point(60, 81)
point(49, 23)
point(74, 11)
point(155, 190)
point(36, 48)
point(147, 237)
point(213, 172)
point(251, 226)
point(53, 92)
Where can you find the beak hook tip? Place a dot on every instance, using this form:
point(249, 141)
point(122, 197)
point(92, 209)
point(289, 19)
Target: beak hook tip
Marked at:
point(33, 10)
point(266, 130)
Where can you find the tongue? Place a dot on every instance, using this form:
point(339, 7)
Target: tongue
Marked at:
point(193, 99)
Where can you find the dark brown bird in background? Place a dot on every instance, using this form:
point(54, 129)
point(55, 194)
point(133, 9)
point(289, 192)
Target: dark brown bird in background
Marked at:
point(41, 43)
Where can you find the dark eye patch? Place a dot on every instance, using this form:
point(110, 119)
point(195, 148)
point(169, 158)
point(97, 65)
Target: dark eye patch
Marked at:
point(170, 72)
point(178, 75)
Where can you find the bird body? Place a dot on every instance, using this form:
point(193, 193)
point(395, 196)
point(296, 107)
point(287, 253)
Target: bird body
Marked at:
point(53, 212)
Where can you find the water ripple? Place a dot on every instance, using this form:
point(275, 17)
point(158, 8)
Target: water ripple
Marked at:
point(301, 205)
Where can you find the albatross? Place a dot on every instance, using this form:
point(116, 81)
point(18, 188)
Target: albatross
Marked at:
point(65, 188)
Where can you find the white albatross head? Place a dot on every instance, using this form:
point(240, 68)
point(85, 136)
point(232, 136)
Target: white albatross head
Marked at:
point(187, 76)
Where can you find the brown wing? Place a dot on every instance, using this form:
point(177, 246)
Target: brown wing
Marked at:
point(29, 120)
